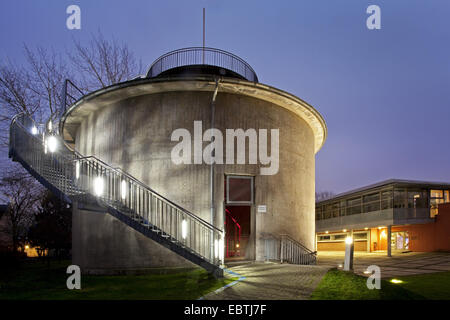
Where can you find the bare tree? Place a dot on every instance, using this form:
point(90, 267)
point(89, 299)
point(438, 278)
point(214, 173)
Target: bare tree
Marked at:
point(36, 87)
point(22, 194)
point(324, 195)
point(102, 63)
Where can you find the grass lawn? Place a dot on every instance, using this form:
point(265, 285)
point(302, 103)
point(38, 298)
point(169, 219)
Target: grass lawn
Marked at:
point(33, 280)
point(434, 286)
point(341, 285)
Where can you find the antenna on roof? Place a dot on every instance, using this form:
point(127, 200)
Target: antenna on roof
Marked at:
point(203, 60)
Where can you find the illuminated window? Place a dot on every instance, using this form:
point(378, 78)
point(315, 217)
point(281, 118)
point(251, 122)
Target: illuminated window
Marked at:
point(436, 198)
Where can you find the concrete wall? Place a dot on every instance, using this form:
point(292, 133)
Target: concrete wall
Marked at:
point(104, 245)
point(134, 134)
point(434, 236)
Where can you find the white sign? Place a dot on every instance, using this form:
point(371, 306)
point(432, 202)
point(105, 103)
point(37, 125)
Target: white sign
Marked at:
point(262, 208)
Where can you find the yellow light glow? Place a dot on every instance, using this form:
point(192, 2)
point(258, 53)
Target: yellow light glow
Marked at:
point(348, 240)
point(326, 231)
point(27, 247)
point(345, 230)
point(367, 272)
point(216, 249)
point(396, 281)
point(221, 249)
point(366, 228)
point(237, 245)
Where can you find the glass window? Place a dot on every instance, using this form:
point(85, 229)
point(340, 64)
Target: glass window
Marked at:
point(343, 208)
point(437, 193)
point(436, 197)
point(360, 236)
point(340, 237)
point(318, 213)
point(336, 209)
point(324, 238)
point(239, 189)
point(399, 198)
point(417, 199)
point(446, 196)
point(354, 206)
point(371, 202)
point(386, 199)
point(327, 212)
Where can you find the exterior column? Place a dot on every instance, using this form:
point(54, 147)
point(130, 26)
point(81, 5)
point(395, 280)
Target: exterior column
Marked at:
point(389, 232)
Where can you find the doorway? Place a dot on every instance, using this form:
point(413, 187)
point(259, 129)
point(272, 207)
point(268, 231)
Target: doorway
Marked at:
point(238, 209)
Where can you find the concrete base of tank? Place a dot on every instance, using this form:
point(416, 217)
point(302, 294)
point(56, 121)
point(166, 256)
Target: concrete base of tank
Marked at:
point(112, 247)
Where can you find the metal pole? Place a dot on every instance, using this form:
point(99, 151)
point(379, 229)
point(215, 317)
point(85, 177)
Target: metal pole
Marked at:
point(203, 57)
point(213, 107)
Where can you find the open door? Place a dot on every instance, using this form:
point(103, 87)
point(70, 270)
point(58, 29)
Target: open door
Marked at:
point(238, 205)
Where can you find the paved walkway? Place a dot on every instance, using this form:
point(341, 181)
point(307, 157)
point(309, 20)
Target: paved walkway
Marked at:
point(400, 264)
point(272, 281)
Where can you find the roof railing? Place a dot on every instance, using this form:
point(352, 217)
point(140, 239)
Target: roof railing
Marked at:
point(202, 56)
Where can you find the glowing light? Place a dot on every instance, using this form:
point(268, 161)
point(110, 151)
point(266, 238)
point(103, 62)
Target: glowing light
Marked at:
point(326, 232)
point(345, 230)
point(50, 126)
point(183, 228)
point(367, 272)
point(348, 240)
point(237, 245)
point(216, 248)
point(221, 249)
point(27, 247)
point(396, 281)
point(366, 228)
point(339, 265)
point(98, 186)
point(77, 170)
point(34, 130)
point(123, 190)
point(383, 233)
point(52, 144)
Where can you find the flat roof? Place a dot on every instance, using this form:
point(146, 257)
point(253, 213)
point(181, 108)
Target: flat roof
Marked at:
point(418, 183)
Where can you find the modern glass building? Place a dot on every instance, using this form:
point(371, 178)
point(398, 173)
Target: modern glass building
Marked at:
point(402, 211)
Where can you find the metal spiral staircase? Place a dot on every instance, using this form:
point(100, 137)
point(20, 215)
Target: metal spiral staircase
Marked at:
point(90, 181)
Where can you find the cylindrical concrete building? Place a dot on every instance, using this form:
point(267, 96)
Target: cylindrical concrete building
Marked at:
point(133, 125)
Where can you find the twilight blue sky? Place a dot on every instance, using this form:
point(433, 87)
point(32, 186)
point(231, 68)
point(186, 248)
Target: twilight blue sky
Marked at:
point(383, 93)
